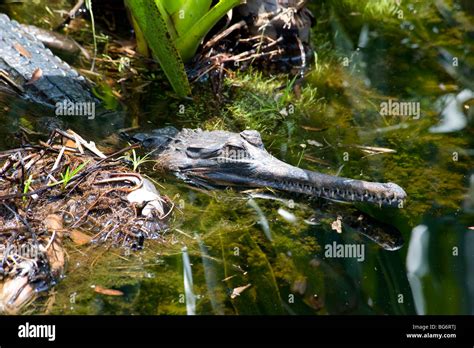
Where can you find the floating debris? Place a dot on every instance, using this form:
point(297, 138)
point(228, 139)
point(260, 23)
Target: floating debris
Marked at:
point(237, 291)
point(67, 188)
point(31, 259)
point(80, 238)
point(314, 143)
point(373, 150)
point(37, 74)
point(289, 217)
point(108, 292)
point(336, 225)
point(229, 278)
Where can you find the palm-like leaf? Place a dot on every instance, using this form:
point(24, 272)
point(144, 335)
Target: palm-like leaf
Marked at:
point(173, 30)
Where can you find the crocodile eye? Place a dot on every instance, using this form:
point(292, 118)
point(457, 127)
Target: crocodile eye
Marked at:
point(233, 152)
point(148, 143)
point(154, 142)
point(253, 137)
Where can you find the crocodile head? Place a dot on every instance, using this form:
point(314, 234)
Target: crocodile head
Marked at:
point(224, 159)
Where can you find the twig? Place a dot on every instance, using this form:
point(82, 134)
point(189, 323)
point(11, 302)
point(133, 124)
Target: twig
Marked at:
point(216, 38)
point(58, 160)
point(71, 14)
point(50, 241)
point(76, 137)
point(23, 220)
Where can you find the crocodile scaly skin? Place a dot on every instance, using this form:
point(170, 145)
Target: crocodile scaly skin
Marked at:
point(21, 54)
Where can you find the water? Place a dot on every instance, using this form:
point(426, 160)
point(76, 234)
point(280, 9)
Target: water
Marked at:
point(250, 258)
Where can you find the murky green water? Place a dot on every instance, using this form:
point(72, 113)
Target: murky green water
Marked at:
point(273, 252)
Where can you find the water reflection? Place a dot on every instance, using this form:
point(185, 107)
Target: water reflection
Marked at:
point(452, 108)
point(282, 257)
point(418, 264)
point(188, 284)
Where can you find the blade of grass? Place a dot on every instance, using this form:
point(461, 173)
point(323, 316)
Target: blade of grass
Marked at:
point(188, 43)
point(151, 22)
point(142, 45)
point(89, 8)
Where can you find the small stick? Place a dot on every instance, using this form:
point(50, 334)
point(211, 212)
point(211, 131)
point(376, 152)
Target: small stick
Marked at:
point(56, 163)
point(89, 146)
point(50, 241)
point(259, 55)
point(78, 143)
point(71, 14)
point(303, 56)
point(6, 77)
point(23, 220)
point(216, 38)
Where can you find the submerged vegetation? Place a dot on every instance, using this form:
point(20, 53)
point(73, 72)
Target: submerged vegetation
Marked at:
point(365, 53)
point(98, 202)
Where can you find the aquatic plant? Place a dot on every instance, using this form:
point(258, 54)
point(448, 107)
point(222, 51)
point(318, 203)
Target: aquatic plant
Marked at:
point(137, 160)
point(88, 4)
point(67, 176)
point(27, 187)
point(173, 31)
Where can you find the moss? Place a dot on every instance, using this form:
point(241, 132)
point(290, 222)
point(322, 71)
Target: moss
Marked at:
point(334, 110)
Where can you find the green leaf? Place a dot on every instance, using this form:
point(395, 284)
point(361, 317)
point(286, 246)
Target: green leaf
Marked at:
point(148, 14)
point(166, 16)
point(142, 44)
point(189, 14)
point(188, 43)
point(172, 6)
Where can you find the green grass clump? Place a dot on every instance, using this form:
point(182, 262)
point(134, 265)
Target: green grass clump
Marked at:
point(269, 105)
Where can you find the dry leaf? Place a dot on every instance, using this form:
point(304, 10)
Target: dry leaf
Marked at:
point(55, 252)
point(80, 238)
point(71, 144)
point(313, 129)
point(56, 257)
point(337, 225)
point(229, 278)
point(37, 74)
point(108, 292)
point(53, 222)
point(23, 51)
point(15, 293)
point(237, 291)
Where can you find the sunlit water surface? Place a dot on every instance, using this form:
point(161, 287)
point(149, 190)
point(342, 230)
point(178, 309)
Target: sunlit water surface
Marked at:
point(261, 256)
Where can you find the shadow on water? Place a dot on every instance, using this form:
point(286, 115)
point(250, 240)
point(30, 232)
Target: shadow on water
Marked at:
point(277, 256)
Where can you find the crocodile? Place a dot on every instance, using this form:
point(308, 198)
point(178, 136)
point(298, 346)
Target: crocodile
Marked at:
point(31, 71)
point(219, 159)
